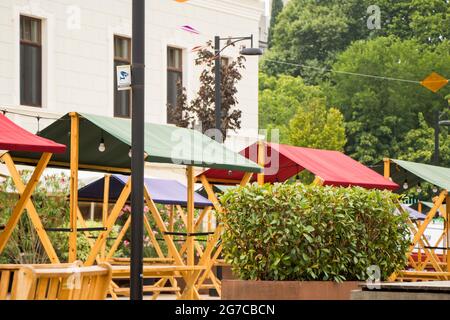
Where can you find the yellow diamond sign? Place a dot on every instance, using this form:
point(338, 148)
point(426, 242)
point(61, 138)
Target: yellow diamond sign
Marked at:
point(434, 82)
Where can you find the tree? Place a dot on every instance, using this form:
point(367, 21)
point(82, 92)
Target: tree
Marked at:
point(202, 108)
point(312, 33)
point(424, 20)
point(315, 126)
point(299, 112)
point(277, 7)
point(281, 97)
point(418, 144)
point(379, 113)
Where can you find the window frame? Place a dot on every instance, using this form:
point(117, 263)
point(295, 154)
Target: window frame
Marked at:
point(174, 70)
point(119, 59)
point(37, 44)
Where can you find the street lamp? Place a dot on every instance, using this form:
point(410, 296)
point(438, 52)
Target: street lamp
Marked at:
point(218, 68)
point(439, 123)
point(137, 156)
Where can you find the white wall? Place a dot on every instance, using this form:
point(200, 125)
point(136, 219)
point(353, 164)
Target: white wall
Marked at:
point(78, 51)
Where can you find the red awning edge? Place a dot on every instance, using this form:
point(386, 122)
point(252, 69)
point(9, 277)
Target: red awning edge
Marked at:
point(15, 138)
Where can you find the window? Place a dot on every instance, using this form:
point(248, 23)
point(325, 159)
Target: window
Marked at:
point(30, 62)
point(174, 77)
point(122, 56)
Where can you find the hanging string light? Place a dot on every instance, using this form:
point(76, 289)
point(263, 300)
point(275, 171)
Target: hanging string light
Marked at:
point(405, 184)
point(435, 189)
point(419, 188)
point(129, 152)
point(102, 146)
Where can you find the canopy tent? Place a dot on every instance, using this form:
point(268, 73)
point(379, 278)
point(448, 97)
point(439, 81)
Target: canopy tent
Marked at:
point(282, 162)
point(413, 214)
point(84, 134)
point(163, 144)
point(410, 174)
point(168, 192)
point(217, 188)
point(15, 138)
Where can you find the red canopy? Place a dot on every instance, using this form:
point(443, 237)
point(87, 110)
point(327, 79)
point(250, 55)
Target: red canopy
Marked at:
point(283, 162)
point(15, 138)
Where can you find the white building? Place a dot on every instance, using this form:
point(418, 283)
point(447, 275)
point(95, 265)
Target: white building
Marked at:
point(58, 56)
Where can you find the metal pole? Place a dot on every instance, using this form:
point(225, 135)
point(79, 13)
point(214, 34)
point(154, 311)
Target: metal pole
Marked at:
point(436, 139)
point(137, 147)
point(218, 95)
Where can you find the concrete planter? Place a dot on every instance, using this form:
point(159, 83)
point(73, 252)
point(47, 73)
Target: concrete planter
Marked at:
point(287, 290)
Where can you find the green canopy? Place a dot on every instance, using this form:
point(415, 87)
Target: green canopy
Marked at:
point(439, 176)
point(163, 144)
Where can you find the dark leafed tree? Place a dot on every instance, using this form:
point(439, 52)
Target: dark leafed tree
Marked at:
point(201, 110)
point(277, 7)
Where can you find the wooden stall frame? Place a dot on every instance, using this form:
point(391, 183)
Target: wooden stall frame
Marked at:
point(25, 202)
point(420, 240)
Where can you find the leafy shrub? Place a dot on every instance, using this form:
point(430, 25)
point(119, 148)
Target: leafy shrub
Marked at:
point(50, 201)
point(299, 232)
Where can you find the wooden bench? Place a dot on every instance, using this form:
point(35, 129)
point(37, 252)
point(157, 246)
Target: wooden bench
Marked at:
point(8, 275)
point(76, 283)
point(147, 261)
point(161, 272)
point(407, 275)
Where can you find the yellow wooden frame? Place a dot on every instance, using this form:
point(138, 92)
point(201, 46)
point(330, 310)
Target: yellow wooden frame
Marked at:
point(442, 270)
point(25, 202)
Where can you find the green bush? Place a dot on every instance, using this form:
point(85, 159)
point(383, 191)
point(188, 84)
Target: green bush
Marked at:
point(298, 232)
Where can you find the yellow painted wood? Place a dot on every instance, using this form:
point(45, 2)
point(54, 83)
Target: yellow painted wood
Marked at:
point(173, 252)
point(119, 238)
point(105, 208)
point(80, 166)
point(246, 179)
point(190, 216)
point(24, 199)
point(318, 181)
point(89, 283)
point(74, 155)
point(211, 195)
point(387, 168)
point(110, 222)
point(31, 210)
point(155, 243)
point(261, 161)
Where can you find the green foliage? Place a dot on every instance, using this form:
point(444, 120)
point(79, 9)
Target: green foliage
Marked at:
point(298, 232)
point(299, 112)
point(424, 20)
point(281, 97)
point(316, 127)
point(277, 7)
point(50, 201)
point(312, 32)
point(380, 113)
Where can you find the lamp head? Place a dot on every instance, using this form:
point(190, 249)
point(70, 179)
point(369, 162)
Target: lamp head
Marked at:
point(251, 51)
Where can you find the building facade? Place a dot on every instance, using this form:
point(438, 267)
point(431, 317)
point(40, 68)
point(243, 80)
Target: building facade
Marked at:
point(58, 56)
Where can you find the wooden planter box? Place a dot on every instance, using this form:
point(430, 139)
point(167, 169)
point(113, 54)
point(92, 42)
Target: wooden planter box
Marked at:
point(287, 290)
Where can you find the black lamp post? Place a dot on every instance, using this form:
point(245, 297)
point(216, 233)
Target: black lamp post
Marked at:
point(437, 130)
point(218, 79)
point(137, 155)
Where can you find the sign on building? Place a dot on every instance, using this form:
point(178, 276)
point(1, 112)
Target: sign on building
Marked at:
point(124, 77)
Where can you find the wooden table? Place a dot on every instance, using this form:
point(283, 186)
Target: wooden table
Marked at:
point(190, 275)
